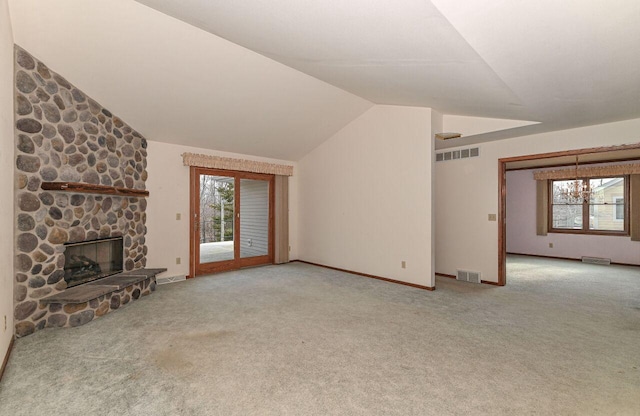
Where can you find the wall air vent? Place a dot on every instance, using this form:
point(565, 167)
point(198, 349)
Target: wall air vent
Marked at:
point(596, 260)
point(468, 276)
point(458, 154)
point(170, 279)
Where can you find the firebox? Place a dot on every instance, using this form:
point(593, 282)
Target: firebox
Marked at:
point(91, 260)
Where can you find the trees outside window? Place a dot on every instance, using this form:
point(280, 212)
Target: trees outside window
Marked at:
point(216, 208)
point(223, 212)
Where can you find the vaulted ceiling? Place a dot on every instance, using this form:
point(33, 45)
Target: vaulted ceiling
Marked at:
point(178, 84)
point(305, 68)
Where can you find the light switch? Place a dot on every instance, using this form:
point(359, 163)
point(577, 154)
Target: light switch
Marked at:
point(493, 217)
point(178, 216)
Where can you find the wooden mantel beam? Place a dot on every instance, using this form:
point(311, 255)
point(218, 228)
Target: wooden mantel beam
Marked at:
point(88, 188)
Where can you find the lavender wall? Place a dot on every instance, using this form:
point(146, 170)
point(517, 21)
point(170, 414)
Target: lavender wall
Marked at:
point(521, 230)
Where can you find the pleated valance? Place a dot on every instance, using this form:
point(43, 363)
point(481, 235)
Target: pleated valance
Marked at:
point(587, 172)
point(228, 163)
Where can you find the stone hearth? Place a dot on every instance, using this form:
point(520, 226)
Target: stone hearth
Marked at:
point(81, 304)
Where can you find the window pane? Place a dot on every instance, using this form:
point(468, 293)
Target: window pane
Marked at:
point(606, 210)
point(606, 204)
point(254, 218)
point(620, 208)
point(606, 190)
point(560, 189)
point(216, 218)
point(603, 218)
point(567, 217)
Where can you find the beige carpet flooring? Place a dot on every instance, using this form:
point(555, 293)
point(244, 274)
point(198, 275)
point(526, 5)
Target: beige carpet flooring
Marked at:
point(562, 338)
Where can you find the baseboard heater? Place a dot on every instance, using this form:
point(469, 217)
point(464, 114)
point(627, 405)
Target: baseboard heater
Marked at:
point(596, 260)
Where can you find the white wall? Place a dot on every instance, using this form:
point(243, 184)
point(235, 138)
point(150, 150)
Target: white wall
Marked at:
point(467, 190)
point(521, 230)
point(168, 185)
point(365, 196)
point(176, 83)
point(6, 178)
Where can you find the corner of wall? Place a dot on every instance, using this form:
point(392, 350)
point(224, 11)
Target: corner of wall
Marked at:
point(6, 179)
point(364, 206)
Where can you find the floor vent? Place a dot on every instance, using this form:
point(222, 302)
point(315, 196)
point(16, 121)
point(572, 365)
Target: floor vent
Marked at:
point(170, 279)
point(467, 276)
point(596, 260)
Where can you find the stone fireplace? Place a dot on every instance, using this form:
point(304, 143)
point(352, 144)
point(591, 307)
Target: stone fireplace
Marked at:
point(80, 176)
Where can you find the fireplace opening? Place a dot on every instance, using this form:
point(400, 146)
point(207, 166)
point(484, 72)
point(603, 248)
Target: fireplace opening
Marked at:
point(91, 260)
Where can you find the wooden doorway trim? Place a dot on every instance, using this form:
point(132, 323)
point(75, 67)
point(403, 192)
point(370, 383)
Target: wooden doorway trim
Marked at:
point(193, 224)
point(502, 194)
point(194, 231)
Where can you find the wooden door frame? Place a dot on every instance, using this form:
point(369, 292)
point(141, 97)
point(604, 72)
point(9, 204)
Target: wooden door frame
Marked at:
point(194, 221)
point(502, 194)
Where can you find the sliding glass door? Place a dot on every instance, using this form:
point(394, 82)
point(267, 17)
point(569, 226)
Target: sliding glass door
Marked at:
point(231, 220)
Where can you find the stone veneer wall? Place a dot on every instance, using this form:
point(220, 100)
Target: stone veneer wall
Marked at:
point(63, 135)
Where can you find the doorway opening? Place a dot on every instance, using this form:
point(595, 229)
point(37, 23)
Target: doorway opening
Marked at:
point(231, 220)
point(565, 158)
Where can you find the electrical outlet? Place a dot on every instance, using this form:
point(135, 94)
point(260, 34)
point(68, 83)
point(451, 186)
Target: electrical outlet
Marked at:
point(177, 260)
point(550, 245)
point(5, 323)
point(177, 216)
point(404, 264)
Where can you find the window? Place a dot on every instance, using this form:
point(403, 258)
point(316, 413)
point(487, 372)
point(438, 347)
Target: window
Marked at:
point(603, 212)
